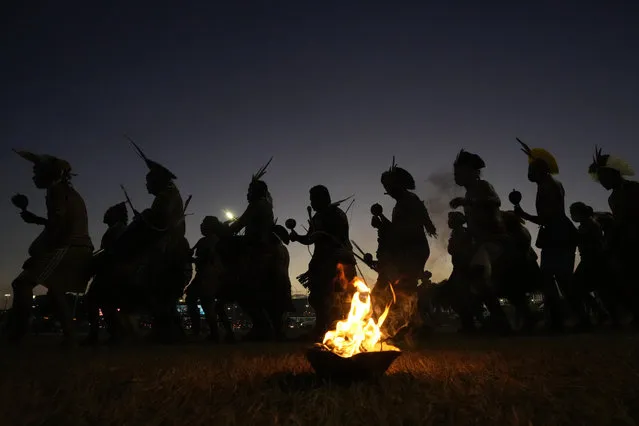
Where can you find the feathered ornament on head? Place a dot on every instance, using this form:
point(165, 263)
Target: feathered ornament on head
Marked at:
point(465, 158)
point(45, 160)
point(540, 154)
point(152, 165)
point(606, 161)
point(261, 172)
point(257, 186)
point(400, 176)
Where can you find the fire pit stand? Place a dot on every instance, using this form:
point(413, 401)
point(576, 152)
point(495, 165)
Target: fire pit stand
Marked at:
point(363, 366)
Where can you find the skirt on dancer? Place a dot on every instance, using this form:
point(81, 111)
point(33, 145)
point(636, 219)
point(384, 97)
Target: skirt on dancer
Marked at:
point(65, 269)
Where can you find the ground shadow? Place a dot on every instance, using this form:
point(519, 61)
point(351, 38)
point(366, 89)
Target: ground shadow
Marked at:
point(306, 382)
point(294, 383)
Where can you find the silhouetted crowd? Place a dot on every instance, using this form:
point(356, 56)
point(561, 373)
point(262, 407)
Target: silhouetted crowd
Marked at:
point(146, 265)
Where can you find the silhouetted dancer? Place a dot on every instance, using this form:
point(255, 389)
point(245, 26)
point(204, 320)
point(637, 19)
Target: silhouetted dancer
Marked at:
point(557, 237)
point(613, 297)
point(484, 221)
point(104, 289)
point(169, 252)
point(332, 256)
point(460, 248)
point(607, 223)
point(208, 272)
point(60, 256)
point(383, 264)
point(257, 221)
point(116, 218)
point(279, 290)
point(593, 273)
point(523, 274)
point(407, 249)
point(612, 172)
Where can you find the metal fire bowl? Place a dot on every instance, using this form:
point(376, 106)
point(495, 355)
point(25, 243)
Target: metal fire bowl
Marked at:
point(363, 366)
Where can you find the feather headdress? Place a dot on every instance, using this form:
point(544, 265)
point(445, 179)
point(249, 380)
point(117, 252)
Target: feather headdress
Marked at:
point(338, 203)
point(46, 160)
point(465, 158)
point(607, 161)
point(541, 155)
point(152, 165)
point(399, 175)
point(261, 172)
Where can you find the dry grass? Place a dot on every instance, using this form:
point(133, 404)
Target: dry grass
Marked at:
point(574, 380)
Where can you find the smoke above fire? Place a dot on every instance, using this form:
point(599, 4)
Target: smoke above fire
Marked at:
point(440, 189)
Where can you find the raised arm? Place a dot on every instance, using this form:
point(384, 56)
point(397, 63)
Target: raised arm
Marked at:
point(33, 218)
point(238, 224)
point(307, 239)
point(527, 216)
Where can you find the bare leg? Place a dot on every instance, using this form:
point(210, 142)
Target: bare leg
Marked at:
point(208, 305)
point(93, 302)
point(63, 312)
point(229, 336)
point(194, 312)
point(21, 311)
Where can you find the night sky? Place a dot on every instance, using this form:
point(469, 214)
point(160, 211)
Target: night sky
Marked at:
point(332, 90)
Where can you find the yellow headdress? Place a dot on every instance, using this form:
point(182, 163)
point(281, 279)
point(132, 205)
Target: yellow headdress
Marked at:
point(540, 154)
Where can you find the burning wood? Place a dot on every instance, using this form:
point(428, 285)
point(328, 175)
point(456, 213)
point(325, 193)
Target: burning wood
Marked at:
point(355, 350)
point(358, 332)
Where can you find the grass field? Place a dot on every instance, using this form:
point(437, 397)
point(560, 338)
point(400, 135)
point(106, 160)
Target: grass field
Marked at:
point(448, 380)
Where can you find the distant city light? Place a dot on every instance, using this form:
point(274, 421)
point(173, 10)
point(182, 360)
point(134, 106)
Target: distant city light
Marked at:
point(229, 215)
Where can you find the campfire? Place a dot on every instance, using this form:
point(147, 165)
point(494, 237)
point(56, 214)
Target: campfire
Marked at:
point(359, 332)
point(355, 348)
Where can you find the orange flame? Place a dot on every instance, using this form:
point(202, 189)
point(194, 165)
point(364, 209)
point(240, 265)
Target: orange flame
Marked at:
point(359, 332)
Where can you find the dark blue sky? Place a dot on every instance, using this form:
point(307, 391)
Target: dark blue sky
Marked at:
point(332, 90)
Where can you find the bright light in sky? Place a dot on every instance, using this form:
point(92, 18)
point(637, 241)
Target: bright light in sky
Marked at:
point(229, 215)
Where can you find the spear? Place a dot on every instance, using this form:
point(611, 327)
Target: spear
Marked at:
point(128, 200)
point(186, 204)
point(358, 248)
